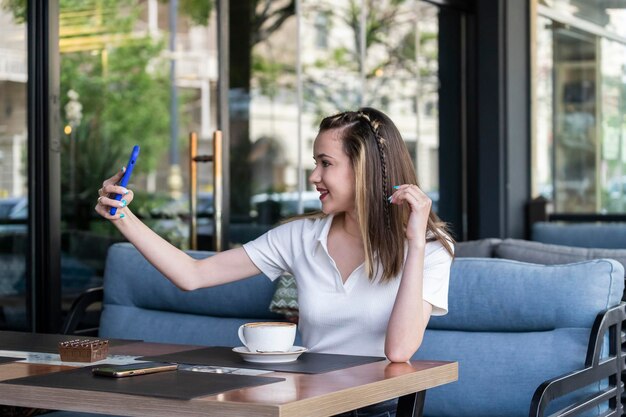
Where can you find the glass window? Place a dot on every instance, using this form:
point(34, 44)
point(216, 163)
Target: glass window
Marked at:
point(580, 106)
point(612, 170)
point(575, 116)
point(610, 15)
point(321, 30)
point(13, 169)
point(396, 70)
point(402, 80)
point(264, 117)
point(543, 141)
point(116, 88)
point(117, 91)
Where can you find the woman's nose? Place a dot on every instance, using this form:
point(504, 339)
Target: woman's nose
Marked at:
point(314, 177)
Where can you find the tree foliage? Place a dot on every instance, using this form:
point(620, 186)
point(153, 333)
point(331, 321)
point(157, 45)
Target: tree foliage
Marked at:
point(334, 80)
point(124, 92)
point(17, 9)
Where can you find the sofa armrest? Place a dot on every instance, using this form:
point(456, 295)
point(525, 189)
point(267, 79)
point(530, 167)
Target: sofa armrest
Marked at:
point(596, 369)
point(79, 309)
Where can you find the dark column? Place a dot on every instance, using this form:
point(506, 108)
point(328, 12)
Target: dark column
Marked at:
point(452, 119)
point(499, 178)
point(44, 183)
point(240, 61)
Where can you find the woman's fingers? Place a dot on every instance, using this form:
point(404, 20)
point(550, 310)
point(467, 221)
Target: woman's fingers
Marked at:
point(112, 189)
point(420, 205)
point(108, 190)
point(411, 194)
point(115, 178)
point(121, 203)
point(104, 210)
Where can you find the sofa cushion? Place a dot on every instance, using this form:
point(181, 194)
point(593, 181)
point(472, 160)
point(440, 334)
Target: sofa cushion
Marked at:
point(547, 254)
point(509, 296)
point(482, 248)
point(585, 235)
point(285, 299)
point(248, 298)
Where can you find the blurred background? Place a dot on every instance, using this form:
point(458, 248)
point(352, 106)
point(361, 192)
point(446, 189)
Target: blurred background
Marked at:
point(499, 102)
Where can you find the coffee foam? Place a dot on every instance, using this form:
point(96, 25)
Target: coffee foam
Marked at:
point(269, 324)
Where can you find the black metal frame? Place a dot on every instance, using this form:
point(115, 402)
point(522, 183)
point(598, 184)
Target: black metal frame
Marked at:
point(460, 5)
point(596, 369)
point(586, 217)
point(411, 405)
point(44, 167)
point(79, 310)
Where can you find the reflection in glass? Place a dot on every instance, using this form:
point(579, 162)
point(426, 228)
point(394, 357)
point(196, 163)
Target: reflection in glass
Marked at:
point(401, 79)
point(609, 15)
point(264, 115)
point(543, 141)
point(331, 76)
point(575, 120)
point(13, 170)
point(273, 156)
point(115, 92)
point(613, 127)
point(579, 146)
point(395, 71)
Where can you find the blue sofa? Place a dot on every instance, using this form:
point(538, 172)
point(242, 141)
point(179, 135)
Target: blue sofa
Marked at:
point(139, 303)
point(512, 326)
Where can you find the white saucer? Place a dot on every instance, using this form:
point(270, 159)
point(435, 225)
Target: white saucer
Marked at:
point(270, 357)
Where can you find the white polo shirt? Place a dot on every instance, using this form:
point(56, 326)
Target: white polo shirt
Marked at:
point(348, 318)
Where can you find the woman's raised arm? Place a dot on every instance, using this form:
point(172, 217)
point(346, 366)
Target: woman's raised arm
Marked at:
point(184, 271)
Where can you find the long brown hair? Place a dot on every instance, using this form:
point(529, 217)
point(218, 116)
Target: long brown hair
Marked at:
point(380, 160)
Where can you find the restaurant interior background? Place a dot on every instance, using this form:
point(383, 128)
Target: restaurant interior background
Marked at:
point(499, 102)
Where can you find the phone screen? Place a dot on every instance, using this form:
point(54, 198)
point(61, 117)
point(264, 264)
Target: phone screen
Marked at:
point(134, 369)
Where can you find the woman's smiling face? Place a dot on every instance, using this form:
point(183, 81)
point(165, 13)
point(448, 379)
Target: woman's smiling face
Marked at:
point(333, 176)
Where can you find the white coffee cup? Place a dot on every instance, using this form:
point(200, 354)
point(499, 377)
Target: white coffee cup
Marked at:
point(268, 336)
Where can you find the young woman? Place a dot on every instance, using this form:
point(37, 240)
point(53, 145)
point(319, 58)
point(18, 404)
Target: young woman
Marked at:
point(371, 268)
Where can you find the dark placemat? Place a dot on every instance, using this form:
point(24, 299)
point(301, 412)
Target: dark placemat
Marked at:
point(182, 385)
point(307, 363)
point(6, 359)
point(47, 343)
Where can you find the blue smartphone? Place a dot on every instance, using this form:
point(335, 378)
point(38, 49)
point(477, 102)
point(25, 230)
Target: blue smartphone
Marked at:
point(129, 170)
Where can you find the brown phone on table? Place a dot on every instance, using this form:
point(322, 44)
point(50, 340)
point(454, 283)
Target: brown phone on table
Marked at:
point(120, 371)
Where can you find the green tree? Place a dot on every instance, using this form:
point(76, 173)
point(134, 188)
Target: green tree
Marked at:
point(123, 87)
point(390, 51)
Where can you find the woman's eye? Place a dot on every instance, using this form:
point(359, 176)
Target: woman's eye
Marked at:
point(325, 164)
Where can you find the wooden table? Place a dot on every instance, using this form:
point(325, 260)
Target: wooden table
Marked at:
point(299, 395)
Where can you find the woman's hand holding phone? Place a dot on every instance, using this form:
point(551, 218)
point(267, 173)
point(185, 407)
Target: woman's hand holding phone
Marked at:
point(114, 197)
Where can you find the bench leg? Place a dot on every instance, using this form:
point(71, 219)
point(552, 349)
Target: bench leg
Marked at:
point(411, 405)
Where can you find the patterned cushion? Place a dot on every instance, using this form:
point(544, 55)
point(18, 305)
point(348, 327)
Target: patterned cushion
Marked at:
point(285, 299)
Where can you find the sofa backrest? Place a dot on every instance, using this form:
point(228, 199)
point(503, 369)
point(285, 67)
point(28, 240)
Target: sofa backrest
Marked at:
point(551, 254)
point(584, 235)
point(139, 303)
point(504, 295)
point(511, 326)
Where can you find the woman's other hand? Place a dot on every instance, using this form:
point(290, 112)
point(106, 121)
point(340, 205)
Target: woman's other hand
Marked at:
point(420, 205)
point(109, 189)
